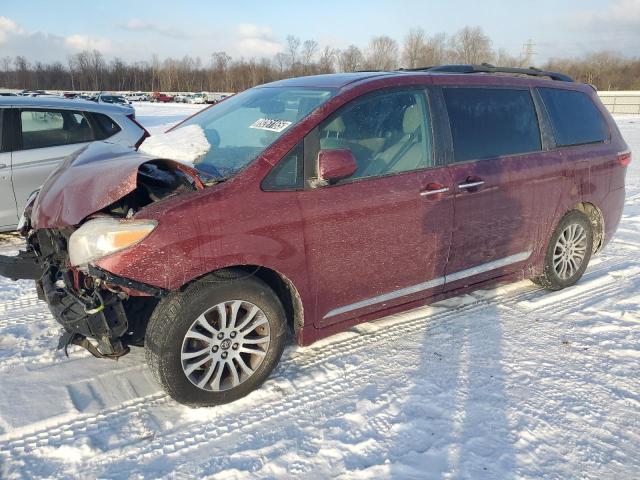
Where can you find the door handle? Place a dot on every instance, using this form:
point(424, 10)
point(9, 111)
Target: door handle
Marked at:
point(3, 165)
point(471, 184)
point(434, 189)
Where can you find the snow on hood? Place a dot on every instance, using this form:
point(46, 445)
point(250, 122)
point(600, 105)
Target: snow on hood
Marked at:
point(187, 144)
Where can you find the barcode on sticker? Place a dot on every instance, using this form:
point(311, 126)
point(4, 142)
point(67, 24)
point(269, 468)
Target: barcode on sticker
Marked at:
point(270, 124)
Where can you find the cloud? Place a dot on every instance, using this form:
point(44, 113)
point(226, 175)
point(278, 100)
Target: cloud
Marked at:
point(256, 40)
point(137, 25)
point(619, 15)
point(44, 46)
point(7, 27)
point(615, 27)
point(244, 40)
point(85, 42)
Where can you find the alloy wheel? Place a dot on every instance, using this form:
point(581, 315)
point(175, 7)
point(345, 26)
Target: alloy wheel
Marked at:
point(225, 345)
point(569, 251)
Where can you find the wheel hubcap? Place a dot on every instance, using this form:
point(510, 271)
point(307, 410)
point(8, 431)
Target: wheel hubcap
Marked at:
point(570, 251)
point(225, 345)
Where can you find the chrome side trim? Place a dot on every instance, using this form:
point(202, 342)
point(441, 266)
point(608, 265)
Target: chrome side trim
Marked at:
point(436, 282)
point(485, 267)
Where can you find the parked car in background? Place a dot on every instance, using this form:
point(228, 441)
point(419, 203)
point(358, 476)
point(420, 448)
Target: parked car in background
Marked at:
point(323, 202)
point(197, 98)
point(31, 93)
point(37, 133)
point(8, 94)
point(116, 100)
point(161, 97)
point(137, 97)
point(181, 97)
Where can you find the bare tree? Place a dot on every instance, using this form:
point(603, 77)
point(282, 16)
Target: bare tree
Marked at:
point(382, 53)
point(309, 50)
point(414, 48)
point(293, 45)
point(351, 59)
point(471, 45)
point(327, 60)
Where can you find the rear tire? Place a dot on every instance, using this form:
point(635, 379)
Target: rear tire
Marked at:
point(568, 252)
point(216, 341)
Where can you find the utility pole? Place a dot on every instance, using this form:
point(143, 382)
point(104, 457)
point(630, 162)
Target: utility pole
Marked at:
point(528, 53)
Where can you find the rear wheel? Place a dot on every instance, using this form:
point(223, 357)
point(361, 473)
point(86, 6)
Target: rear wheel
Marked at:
point(216, 341)
point(568, 252)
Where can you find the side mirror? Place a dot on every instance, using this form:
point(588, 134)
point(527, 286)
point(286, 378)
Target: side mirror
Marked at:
point(336, 164)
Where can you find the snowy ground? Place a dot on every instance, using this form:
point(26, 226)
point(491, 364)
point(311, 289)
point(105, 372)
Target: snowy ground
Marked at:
point(514, 382)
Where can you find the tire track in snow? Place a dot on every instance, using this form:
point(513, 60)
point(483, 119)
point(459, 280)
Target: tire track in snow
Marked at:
point(196, 434)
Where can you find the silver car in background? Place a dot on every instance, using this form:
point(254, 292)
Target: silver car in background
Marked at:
point(36, 134)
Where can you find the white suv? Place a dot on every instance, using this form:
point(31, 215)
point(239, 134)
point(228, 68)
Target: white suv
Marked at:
point(36, 133)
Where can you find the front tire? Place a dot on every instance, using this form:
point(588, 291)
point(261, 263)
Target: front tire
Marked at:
point(216, 341)
point(568, 252)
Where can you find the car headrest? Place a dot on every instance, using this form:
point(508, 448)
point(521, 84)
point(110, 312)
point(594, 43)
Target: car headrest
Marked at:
point(336, 125)
point(412, 119)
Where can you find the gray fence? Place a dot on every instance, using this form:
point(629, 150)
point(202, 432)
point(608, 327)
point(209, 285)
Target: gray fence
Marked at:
point(621, 102)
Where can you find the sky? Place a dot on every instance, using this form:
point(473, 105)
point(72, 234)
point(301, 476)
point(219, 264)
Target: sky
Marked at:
point(135, 30)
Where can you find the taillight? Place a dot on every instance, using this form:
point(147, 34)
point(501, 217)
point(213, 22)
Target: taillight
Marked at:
point(624, 158)
point(145, 135)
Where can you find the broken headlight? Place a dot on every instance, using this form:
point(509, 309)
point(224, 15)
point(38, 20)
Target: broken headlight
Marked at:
point(103, 236)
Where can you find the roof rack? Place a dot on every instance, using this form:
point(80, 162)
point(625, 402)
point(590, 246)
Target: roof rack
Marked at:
point(488, 68)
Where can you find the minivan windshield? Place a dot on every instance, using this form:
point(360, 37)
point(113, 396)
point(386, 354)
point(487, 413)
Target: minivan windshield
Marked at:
point(244, 125)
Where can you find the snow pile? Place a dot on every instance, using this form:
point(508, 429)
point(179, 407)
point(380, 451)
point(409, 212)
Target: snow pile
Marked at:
point(187, 144)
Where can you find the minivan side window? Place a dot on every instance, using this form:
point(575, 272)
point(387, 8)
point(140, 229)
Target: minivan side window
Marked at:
point(387, 132)
point(574, 117)
point(491, 122)
point(52, 128)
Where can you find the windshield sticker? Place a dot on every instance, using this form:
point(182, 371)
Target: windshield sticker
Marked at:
point(270, 124)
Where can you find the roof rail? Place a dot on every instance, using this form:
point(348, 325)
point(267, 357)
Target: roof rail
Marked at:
point(488, 68)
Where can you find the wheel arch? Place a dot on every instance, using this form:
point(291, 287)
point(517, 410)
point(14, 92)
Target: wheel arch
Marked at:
point(283, 287)
point(597, 221)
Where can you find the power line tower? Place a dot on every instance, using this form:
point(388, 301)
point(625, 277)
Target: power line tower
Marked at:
point(528, 53)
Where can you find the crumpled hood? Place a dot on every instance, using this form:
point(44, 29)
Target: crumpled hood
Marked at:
point(89, 180)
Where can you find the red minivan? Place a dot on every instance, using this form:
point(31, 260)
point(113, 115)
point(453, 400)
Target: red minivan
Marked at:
point(322, 202)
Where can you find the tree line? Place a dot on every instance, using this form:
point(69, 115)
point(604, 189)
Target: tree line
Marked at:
point(90, 71)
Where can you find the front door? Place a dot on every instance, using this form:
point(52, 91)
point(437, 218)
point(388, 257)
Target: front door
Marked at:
point(372, 240)
point(496, 137)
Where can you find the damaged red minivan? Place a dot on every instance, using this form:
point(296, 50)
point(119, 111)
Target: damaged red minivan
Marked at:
point(321, 202)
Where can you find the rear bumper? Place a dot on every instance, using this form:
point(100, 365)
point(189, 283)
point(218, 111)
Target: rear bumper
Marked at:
point(24, 266)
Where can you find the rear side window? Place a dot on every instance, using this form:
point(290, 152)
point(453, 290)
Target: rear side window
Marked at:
point(52, 128)
point(491, 122)
point(106, 127)
point(574, 117)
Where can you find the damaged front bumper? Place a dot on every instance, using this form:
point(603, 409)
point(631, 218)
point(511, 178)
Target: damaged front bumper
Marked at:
point(101, 306)
point(110, 310)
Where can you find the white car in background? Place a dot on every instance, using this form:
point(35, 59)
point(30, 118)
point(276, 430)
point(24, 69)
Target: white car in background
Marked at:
point(198, 98)
point(137, 97)
point(37, 133)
